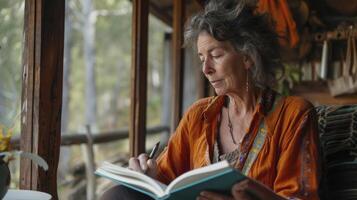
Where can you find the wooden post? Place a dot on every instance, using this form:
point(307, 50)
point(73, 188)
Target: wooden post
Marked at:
point(89, 161)
point(42, 92)
point(178, 61)
point(139, 76)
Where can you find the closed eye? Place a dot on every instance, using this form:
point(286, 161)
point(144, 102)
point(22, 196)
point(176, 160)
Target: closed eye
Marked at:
point(217, 57)
point(217, 53)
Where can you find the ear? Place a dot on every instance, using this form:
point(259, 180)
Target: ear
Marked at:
point(248, 62)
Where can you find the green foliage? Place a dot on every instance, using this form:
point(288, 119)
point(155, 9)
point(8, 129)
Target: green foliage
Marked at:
point(113, 66)
point(287, 78)
point(113, 63)
point(11, 25)
point(155, 70)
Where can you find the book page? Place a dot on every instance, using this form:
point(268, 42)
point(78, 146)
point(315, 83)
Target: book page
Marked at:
point(138, 183)
point(197, 174)
point(127, 174)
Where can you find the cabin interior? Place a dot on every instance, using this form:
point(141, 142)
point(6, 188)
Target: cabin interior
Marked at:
point(313, 59)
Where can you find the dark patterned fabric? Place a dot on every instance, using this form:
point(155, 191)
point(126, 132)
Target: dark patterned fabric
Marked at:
point(338, 139)
point(338, 133)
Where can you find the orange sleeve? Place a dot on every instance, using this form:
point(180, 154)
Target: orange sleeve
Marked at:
point(298, 169)
point(173, 161)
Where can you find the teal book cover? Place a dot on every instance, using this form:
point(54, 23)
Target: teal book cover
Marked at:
point(218, 177)
point(221, 183)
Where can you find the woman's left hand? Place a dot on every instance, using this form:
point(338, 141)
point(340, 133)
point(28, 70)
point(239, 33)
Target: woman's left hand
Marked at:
point(244, 190)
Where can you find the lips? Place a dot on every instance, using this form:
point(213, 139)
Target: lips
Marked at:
point(215, 83)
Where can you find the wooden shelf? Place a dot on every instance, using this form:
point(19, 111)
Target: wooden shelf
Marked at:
point(317, 92)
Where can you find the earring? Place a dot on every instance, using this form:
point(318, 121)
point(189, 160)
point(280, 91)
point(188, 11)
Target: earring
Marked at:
point(247, 83)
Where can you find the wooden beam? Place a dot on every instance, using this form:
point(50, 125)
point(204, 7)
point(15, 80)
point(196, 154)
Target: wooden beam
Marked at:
point(98, 138)
point(178, 61)
point(27, 93)
point(317, 92)
point(139, 76)
point(160, 13)
point(42, 92)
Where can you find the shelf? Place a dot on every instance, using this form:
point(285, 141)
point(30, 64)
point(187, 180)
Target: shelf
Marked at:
point(317, 92)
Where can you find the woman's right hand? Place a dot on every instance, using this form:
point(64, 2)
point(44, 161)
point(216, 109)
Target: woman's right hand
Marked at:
point(144, 165)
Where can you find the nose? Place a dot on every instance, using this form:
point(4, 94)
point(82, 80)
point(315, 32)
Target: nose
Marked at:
point(207, 67)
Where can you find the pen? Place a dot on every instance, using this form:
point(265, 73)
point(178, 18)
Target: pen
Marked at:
point(154, 150)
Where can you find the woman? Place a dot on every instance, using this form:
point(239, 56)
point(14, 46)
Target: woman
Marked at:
point(272, 139)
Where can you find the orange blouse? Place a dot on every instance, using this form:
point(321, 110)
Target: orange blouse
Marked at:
point(287, 162)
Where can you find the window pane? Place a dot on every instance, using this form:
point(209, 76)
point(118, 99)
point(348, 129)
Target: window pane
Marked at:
point(96, 83)
point(11, 46)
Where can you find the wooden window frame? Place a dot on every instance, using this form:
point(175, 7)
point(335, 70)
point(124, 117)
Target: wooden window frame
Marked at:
point(139, 68)
point(42, 85)
point(178, 62)
point(42, 92)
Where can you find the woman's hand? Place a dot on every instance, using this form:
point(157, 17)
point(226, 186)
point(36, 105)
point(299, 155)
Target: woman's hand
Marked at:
point(239, 192)
point(244, 190)
point(143, 165)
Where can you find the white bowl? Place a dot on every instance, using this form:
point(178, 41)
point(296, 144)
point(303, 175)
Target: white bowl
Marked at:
point(26, 195)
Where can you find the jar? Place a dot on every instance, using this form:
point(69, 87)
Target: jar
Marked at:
point(4, 177)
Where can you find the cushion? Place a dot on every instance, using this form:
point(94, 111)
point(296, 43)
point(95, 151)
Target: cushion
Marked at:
point(338, 140)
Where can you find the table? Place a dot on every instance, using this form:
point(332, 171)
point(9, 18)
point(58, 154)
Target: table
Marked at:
point(26, 195)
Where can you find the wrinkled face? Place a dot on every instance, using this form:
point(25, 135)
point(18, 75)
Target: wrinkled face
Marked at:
point(223, 66)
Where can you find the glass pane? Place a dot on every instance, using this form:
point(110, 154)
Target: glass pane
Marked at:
point(156, 80)
point(11, 46)
point(96, 84)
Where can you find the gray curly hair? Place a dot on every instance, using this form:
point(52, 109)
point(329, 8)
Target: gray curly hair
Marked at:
point(248, 32)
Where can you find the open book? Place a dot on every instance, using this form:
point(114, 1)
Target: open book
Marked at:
point(217, 177)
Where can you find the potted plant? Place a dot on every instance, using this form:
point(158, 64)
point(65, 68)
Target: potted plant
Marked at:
point(6, 155)
point(4, 168)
